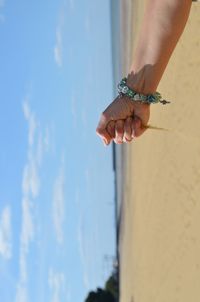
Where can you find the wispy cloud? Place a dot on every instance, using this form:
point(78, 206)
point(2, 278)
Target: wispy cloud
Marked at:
point(87, 26)
point(30, 117)
point(31, 181)
point(58, 206)
point(58, 48)
point(83, 254)
point(6, 233)
point(2, 17)
point(37, 146)
point(22, 295)
point(2, 3)
point(74, 110)
point(57, 285)
point(72, 5)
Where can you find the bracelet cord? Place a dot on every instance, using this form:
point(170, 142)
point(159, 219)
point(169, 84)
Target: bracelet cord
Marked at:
point(154, 98)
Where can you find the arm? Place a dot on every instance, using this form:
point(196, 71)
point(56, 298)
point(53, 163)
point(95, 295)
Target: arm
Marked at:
point(163, 24)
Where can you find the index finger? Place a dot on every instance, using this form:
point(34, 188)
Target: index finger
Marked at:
point(101, 128)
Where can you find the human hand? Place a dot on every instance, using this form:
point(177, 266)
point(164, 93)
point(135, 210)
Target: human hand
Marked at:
point(123, 120)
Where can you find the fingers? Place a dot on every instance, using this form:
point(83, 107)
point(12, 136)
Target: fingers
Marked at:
point(101, 129)
point(119, 131)
point(111, 129)
point(116, 123)
point(119, 109)
point(128, 129)
point(122, 130)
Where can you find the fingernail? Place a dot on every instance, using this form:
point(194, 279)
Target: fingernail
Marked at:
point(106, 143)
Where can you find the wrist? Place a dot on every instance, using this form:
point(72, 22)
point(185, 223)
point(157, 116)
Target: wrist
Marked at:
point(150, 98)
point(141, 81)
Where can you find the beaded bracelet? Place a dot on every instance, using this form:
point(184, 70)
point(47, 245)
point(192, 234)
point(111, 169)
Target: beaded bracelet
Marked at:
point(154, 98)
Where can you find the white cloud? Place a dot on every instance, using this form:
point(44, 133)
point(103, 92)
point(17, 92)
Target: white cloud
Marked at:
point(31, 181)
point(5, 233)
point(72, 5)
point(27, 233)
point(58, 205)
point(83, 255)
point(37, 146)
point(74, 110)
point(87, 26)
point(40, 149)
point(43, 145)
point(56, 281)
point(21, 295)
point(46, 140)
point(30, 117)
point(2, 3)
point(2, 17)
point(58, 48)
point(26, 237)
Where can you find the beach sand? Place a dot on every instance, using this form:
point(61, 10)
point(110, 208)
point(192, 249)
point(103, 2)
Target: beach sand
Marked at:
point(159, 243)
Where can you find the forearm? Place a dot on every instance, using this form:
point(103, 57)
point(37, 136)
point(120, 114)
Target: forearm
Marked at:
point(163, 24)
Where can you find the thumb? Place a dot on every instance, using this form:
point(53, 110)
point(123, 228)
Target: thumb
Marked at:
point(138, 127)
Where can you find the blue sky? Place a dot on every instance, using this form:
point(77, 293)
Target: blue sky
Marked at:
point(57, 183)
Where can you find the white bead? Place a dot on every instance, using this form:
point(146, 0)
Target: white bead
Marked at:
point(125, 89)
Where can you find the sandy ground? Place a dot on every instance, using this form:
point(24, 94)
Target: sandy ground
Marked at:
point(160, 227)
